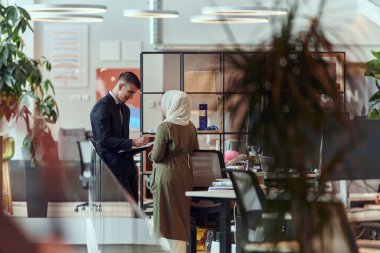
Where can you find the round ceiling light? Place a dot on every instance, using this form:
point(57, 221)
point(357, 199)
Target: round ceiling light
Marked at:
point(65, 8)
point(222, 19)
point(135, 13)
point(244, 10)
point(67, 18)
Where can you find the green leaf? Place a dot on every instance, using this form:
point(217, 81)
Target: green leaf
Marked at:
point(24, 13)
point(49, 85)
point(5, 53)
point(27, 143)
point(374, 114)
point(13, 14)
point(48, 65)
point(20, 54)
point(374, 65)
point(12, 48)
point(23, 24)
point(9, 80)
point(375, 97)
point(376, 54)
point(377, 84)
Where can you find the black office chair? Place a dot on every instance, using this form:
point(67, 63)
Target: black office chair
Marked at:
point(207, 166)
point(85, 174)
point(252, 204)
point(259, 217)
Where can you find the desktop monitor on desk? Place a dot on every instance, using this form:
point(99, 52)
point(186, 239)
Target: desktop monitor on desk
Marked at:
point(353, 152)
point(294, 142)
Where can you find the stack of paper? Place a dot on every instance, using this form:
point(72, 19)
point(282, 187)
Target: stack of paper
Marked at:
point(221, 184)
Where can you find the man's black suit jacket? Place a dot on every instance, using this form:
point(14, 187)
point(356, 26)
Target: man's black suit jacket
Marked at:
point(111, 138)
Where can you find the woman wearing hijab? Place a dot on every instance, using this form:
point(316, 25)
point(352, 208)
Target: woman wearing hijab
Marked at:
point(176, 138)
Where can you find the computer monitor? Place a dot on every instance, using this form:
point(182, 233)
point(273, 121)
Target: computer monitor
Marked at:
point(294, 142)
point(352, 152)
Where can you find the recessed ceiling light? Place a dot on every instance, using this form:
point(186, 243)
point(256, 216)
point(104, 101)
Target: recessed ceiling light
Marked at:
point(65, 8)
point(243, 10)
point(150, 13)
point(223, 19)
point(67, 18)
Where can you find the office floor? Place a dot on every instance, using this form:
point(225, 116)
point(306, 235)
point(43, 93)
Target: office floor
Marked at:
point(67, 210)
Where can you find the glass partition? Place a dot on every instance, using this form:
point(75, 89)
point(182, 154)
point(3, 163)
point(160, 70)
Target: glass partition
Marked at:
point(236, 142)
point(161, 72)
point(233, 71)
point(74, 207)
point(117, 222)
point(152, 115)
point(202, 73)
point(209, 78)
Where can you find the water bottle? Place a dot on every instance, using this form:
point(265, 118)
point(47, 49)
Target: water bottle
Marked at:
point(202, 116)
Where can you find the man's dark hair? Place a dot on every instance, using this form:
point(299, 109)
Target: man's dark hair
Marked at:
point(130, 77)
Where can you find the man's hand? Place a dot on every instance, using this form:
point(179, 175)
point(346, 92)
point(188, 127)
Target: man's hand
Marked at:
point(140, 141)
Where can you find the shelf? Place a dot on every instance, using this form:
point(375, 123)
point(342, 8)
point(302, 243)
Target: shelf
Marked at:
point(209, 132)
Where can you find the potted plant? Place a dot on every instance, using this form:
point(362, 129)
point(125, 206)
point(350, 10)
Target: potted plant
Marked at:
point(373, 70)
point(281, 86)
point(25, 95)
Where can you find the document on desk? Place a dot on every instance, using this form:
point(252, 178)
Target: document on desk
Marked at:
point(220, 188)
point(221, 184)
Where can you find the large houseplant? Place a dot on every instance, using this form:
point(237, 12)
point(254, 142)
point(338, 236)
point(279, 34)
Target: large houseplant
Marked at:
point(23, 92)
point(281, 86)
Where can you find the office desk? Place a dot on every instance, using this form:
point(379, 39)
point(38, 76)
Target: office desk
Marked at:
point(362, 215)
point(224, 197)
point(357, 197)
point(358, 214)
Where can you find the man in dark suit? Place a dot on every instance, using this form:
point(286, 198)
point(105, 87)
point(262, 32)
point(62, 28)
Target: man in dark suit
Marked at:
point(110, 127)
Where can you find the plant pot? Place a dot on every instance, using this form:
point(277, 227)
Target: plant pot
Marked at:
point(36, 194)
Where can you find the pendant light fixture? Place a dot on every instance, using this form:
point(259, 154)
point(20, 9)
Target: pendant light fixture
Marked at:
point(244, 10)
point(66, 13)
point(67, 18)
point(65, 8)
point(227, 19)
point(155, 11)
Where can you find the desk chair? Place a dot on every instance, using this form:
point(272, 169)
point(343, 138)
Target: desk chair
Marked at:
point(207, 166)
point(252, 204)
point(8, 152)
point(258, 224)
point(326, 229)
point(85, 174)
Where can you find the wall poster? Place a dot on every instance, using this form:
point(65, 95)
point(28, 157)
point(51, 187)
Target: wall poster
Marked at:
point(66, 47)
point(106, 79)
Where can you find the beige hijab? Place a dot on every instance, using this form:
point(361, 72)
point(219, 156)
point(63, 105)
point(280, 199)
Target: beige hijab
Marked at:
point(177, 107)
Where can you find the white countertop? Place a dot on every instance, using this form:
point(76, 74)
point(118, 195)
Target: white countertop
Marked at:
point(229, 194)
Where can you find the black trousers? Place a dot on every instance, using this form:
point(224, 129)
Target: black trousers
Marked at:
point(130, 184)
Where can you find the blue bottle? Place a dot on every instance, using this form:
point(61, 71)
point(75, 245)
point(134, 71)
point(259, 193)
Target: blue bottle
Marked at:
point(202, 116)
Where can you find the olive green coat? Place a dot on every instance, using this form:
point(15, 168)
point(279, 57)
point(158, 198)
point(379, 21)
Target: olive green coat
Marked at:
point(171, 177)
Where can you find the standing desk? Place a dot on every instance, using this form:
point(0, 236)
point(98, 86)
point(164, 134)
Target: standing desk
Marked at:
point(224, 197)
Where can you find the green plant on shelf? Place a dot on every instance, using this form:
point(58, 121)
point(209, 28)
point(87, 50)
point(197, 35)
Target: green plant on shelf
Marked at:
point(373, 70)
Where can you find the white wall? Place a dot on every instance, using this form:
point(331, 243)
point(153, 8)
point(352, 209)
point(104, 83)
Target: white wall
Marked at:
point(343, 18)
